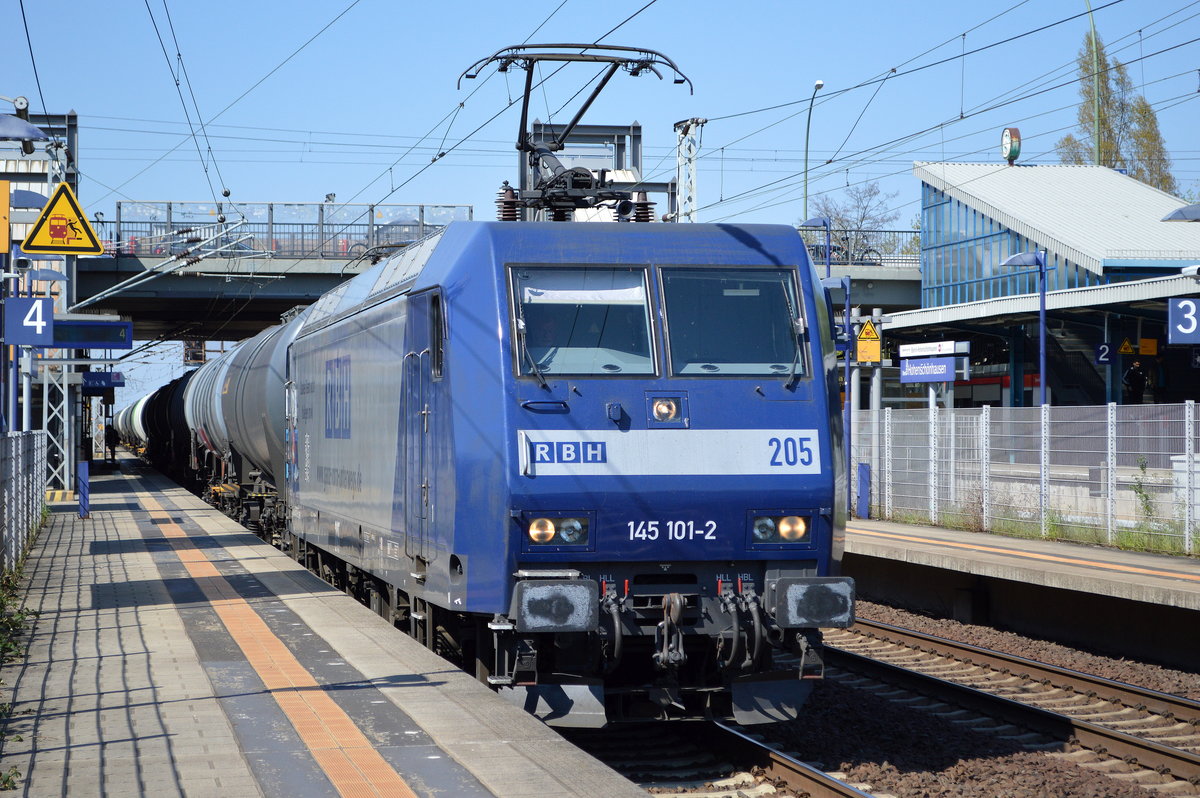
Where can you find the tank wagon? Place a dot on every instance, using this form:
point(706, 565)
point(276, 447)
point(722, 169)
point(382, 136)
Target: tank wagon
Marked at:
point(598, 464)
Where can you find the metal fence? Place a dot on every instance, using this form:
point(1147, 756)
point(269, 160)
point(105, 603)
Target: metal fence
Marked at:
point(900, 249)
point(282, 229)
point(1123, 476)
point(23, 469)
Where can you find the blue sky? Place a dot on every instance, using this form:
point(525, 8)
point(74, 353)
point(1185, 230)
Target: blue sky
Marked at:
point(340, 115)
point(361, 108)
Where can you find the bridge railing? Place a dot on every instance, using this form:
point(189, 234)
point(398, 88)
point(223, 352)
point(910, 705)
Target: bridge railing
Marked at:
point(22, 493)
point(291, 230)
point(900, 249)
point(1118, 475)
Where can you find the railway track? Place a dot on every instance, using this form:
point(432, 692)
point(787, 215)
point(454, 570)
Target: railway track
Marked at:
point(1144, 728)
point(709, 760)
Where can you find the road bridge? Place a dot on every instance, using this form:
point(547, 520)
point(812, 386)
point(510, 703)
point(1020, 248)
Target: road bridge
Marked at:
point(224, 271)
point(181, 270)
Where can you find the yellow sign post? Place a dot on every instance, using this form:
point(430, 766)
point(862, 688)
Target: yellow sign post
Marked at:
point(62, 228)
point(869, 349)
point(5, 206)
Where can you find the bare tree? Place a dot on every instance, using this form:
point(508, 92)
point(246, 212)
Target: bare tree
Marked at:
point(1129, 135)
point(864, 209)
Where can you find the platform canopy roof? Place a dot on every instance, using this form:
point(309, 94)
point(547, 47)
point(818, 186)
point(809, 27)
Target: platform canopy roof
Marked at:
point(1093, 216)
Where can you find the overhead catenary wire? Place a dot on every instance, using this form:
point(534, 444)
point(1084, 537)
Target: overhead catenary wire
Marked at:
point(896, 73)
point(996, 106)
point(454, 146)
point(179, 78)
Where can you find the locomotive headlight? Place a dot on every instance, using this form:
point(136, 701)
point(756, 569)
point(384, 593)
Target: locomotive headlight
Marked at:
point(792, 527)
point(559, 531)
point(764, 529)
point(666, 409)
point(779, 529)
point(572, 530)
point(541, 530)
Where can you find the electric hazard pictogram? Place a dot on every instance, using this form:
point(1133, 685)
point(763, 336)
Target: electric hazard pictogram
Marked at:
point(1126, 348)
point(868, 332)
point(62, 229)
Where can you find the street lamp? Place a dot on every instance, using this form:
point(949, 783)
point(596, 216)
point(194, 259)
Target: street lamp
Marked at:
point(1037, 259)
point(807, 125)
point(14, 128)
point(821, 221)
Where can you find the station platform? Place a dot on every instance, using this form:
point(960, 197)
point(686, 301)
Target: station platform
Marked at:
point(1122, 603)
point(172, 653)
point(1134, 576)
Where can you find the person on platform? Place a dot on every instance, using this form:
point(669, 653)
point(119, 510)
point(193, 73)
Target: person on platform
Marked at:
point(1135, 384)
point(110, 442)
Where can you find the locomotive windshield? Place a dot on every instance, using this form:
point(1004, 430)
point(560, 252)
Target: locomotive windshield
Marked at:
point(734, 321)
point(589, 320)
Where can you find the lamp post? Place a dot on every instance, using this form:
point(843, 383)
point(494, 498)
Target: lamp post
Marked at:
point(14, 128)
point(807, 126)
point(826, 222)
point(1037, 259)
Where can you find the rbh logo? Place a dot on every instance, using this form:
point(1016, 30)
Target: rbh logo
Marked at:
point(570, 452)
point(337, 397)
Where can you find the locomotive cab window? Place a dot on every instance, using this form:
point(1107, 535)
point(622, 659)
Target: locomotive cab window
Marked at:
point(733, 322)
point(581, 321)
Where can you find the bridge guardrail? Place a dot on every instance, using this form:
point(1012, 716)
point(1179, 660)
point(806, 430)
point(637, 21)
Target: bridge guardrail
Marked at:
point(290, 230)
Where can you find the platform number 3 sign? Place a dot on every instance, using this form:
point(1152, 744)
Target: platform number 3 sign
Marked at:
point(1183, 321)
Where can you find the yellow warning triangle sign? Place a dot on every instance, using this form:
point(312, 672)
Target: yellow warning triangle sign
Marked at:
point(868, 332)
point(62, 229)
point(1126, 348)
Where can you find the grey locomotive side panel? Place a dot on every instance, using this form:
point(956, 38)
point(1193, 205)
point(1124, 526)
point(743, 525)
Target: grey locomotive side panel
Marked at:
point(347, 405)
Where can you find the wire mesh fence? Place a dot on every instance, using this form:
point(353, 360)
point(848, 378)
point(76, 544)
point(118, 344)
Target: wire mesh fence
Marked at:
point(23, 469)
point(1124, 476)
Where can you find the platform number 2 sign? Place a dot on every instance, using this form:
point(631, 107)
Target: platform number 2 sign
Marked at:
point(28, 322)
point(1183, 321)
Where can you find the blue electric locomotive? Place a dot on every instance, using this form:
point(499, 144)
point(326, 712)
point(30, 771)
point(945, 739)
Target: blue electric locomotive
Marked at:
point(598, 463)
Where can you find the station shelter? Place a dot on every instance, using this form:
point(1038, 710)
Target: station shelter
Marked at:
point(1111, 266)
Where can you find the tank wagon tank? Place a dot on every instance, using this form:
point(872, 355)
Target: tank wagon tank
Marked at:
point(598, 465)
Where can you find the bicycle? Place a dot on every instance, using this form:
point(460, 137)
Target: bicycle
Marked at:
point(866, 255)
point(844, 253)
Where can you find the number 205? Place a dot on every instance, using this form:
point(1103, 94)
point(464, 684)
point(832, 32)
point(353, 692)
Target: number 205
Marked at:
point(791, 451)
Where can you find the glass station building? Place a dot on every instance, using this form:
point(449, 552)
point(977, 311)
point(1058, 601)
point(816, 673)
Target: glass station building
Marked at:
point(1096, 225)
point(1111, 262)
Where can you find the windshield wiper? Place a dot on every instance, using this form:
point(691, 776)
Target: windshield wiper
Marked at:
point(798, 329)
point(529, 356)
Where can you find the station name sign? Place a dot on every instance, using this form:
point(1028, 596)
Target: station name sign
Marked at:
point(933, 349)
point(930, 369)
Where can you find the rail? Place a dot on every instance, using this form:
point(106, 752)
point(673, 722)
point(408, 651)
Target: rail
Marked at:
point(798, 776)
point(1064, 726)
point(1179, 708)
point(23, 469)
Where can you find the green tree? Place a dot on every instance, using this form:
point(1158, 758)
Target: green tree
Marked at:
point(1129, 135)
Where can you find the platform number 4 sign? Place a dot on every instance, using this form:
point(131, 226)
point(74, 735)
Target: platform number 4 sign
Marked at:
point(1183, 321)
point(28, 322)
